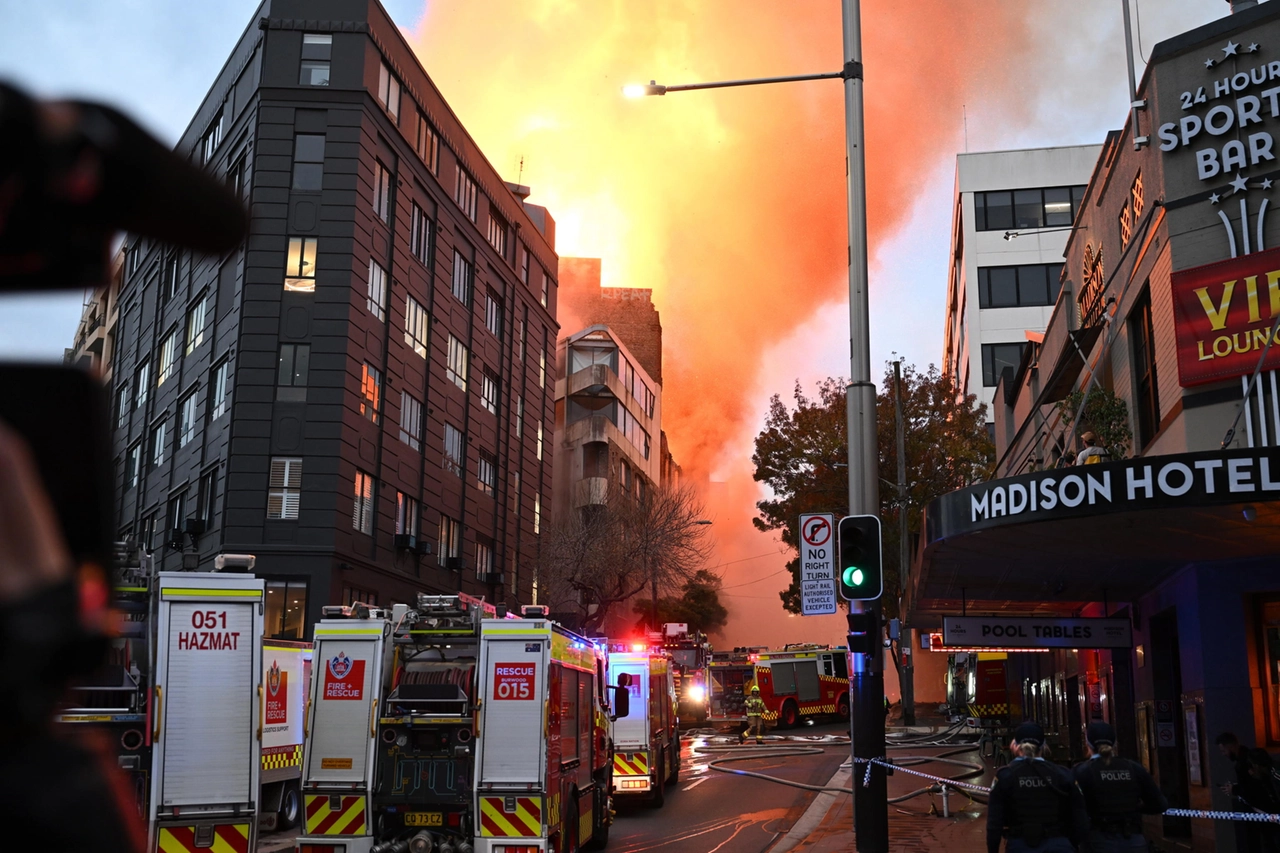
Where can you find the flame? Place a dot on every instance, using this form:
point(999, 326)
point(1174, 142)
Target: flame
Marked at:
point(729, 204)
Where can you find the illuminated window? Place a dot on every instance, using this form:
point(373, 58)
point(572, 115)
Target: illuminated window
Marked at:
point(285, 611)
point(370, 391)
point(300, 265)
point(362, 505)
point(1050, 207)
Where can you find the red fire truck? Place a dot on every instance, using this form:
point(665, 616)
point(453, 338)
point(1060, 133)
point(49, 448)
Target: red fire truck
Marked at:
point(797, 683)
point(647, 739)
point(690, 653)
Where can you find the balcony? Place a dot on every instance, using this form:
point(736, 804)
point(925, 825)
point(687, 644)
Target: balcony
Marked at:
point(591, 491)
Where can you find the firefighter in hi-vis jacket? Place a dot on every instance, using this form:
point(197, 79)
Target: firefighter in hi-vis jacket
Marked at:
point(755, 717)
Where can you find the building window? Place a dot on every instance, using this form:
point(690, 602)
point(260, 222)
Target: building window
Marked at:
point(419, 233)
point(377, 290)
point(362, 506)
point(1144, 370)
point(291, 372)
point(493, 316)
point(308, 161)
point(133, 467)
point(450, 544)
point(515, 494)
point(300, 265)
point(484, 557)
point(122, 405)
point(1135, 197)
point(542, 369)
point(487, 473)
point(149, 525)
point(187, 419)
point(461, 278)
point(997, 358)
point(370, 391)
point(284, 488)
point(489, 391)
point(208, 497)
point(524, 267)
point(176, 513)
point(389, 92)
point(538, 451)
point(1126, 226)
point(497, 231)
point(155, 446)
point(316, 49)
point(537, 514)
point(520, 338)
point(133, 258)
point(519, 417)
point(406, 515)
point(1032, 208)
point(238, 176)
point(169, 278)
point(1019, 286)
point(352, 595)
point(545, 279)
point(212, 139)
point(464, 193)
point(168, 357)
point(416, 324)
point(220, 390)
point(453, 449)
point(427, 143)
point(195, 325)
point(141, 385)
point(381, 191)
point(410, 420)
point(285, 613)
point(456, 367)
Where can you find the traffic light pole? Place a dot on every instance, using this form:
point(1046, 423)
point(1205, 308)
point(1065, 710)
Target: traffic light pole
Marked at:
point(866, 677)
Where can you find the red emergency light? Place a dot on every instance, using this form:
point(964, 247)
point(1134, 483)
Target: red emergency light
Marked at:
point(639, 647)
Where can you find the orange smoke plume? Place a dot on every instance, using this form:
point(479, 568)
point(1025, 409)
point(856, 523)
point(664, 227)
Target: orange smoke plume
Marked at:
point(730, 205)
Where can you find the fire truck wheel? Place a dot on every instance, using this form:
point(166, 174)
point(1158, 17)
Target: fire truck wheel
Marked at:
point(600, 814)
point(842, 710)
point(658, 795)
point(569, 832)
point(290, 807)
point(790, 715)
point(675, 766)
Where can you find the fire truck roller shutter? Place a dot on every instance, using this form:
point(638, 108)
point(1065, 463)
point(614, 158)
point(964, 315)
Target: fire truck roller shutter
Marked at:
point(210, 685)
point(514, 695)
point(807, 688)
point(343, 692)
point(784, 678)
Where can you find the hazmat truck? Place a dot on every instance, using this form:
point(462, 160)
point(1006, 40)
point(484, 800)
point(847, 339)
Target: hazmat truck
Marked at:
point(286, 676)
point(646, 739)
point(445, 728)
point(180, 699)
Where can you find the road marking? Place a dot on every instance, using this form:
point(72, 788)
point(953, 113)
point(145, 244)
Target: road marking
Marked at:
point(695, 783)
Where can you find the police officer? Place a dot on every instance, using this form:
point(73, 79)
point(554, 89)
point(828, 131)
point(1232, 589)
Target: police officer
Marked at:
point(1034, 803)
point(755, 717)
point(1117, 792)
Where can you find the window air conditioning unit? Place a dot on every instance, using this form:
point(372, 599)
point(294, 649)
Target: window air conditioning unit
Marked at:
point(424, 548)
point(406, 542)
point(495, 578)
point(456, 564)
point(193, 526)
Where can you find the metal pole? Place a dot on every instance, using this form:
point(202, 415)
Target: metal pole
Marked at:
point(906, 649)
point(866, 681)
point(1133, 83)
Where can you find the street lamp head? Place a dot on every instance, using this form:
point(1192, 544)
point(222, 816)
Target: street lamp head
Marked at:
point(639, 90)
point(702, 521)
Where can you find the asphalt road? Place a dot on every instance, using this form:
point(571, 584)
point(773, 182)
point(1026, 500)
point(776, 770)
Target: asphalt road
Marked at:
point(708, 811)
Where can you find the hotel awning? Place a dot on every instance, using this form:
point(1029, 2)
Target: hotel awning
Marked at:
point(1070, 362)
point(1092, 533)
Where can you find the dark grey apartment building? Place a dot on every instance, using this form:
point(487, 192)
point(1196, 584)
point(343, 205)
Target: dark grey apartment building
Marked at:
point(359, 396)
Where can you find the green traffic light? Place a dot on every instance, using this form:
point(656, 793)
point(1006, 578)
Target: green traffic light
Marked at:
point(853, 576)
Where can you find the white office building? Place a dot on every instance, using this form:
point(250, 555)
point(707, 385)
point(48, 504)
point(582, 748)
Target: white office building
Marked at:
point(1012, 216)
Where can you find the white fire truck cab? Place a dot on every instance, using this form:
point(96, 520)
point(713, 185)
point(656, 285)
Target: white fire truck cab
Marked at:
point(646, 740)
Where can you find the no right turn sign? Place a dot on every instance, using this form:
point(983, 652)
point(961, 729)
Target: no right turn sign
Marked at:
point(817, 564)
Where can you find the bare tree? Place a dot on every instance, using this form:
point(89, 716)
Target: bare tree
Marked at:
point(601, 556)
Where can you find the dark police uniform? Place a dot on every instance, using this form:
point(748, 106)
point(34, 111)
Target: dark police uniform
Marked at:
point(1035, 804)
point(1116, 794)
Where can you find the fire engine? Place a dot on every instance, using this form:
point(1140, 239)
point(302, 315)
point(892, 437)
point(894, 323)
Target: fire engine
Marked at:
point(443, 728)
point(690, 653)
point(799, 682)
point(647, 739)
point(180, 697)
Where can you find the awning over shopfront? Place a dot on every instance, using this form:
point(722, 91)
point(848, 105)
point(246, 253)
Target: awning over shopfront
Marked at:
point(1049, 542)
point(1069, 365)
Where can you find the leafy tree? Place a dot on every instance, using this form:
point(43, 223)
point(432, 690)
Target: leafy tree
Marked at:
point(802, 454)
point(598, 557)
point(699, 605)
point(1105, 415)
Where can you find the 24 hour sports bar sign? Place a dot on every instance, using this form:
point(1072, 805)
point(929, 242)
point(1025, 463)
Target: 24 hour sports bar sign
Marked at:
point(1223, 313)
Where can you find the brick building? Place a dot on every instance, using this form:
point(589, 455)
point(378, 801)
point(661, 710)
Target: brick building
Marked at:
point(359, 395)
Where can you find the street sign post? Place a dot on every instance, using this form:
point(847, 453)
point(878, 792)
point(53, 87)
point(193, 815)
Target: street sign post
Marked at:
point(817, 564)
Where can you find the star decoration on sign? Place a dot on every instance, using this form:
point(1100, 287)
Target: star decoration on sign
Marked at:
point(1266, 183)
point(1214, 198)
point(1209, 63)
point(1240, 184)
point(1230, 49)
point(1253, 47)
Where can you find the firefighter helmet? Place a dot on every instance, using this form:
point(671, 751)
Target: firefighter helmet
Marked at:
point(755, 689)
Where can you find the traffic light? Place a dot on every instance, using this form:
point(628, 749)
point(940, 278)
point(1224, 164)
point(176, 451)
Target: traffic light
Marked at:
point(861, 573)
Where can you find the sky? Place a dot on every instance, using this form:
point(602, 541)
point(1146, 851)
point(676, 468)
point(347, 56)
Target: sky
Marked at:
point(729, 204)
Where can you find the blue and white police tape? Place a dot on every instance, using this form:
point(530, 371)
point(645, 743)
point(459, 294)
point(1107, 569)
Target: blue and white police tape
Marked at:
point(1251, 817)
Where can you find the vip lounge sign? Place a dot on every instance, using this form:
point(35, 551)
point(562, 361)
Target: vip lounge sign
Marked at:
point(1223, 314)
point(1035, 633)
